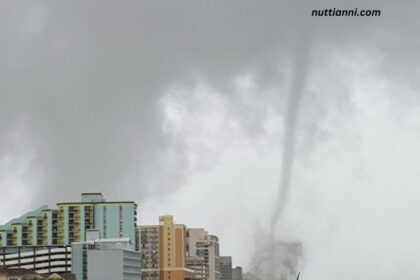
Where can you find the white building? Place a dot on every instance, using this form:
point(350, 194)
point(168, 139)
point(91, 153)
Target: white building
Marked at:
point(106, 259)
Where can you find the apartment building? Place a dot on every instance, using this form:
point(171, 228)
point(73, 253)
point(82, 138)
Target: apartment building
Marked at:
point(225, 264)
point(70, 221)
point(199, 266)
point(149, 236)
point(201, 244)
point(163, 249)
point(237, 273)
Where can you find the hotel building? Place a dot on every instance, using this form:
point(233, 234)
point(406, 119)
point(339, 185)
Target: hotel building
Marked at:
point(226, 267)
point(163, 249)
point(201, 244)
point(70, 222)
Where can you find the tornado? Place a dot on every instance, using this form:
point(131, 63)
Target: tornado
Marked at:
point(297, 88)
point(279, 259)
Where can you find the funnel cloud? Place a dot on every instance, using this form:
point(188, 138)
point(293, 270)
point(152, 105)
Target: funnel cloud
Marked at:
point(297, 88)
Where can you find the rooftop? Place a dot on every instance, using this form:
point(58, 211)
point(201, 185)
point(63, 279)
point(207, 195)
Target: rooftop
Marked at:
point(16, 271)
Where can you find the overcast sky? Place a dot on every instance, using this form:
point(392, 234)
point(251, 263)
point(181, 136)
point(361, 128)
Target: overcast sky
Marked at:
point(180, 106)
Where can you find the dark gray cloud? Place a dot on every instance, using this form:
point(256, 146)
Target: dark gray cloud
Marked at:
point(84, 78)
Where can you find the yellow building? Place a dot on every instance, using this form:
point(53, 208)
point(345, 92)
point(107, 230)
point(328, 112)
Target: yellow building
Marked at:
point(163, 250)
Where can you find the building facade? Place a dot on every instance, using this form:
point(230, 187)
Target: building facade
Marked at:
point(149, 243)
point(163, 250)
point(201, 244)
point(225, 264)
point(41, 259)
point(70, 221)
point(199, 267)
point(106, 259)
point(237, 273)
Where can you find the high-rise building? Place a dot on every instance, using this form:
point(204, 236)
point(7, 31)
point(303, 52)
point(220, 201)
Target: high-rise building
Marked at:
point(201, 244)
point(163, 249)
point(199, 266)
point(193, 236)
point(149, 245)
point(237, 273)
point(106, 259)
point(71, 221)
point(225, 267)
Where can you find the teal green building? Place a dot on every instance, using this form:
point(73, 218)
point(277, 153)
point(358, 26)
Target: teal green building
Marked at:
point(72, 222)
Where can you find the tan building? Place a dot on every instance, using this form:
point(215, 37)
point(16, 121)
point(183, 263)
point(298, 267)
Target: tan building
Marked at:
point(201, 244)
point(193, 236)
point(199, 266)
point(163, 249)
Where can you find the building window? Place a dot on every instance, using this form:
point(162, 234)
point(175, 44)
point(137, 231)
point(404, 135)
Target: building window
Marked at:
point(121, 220)
point(104, 221)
